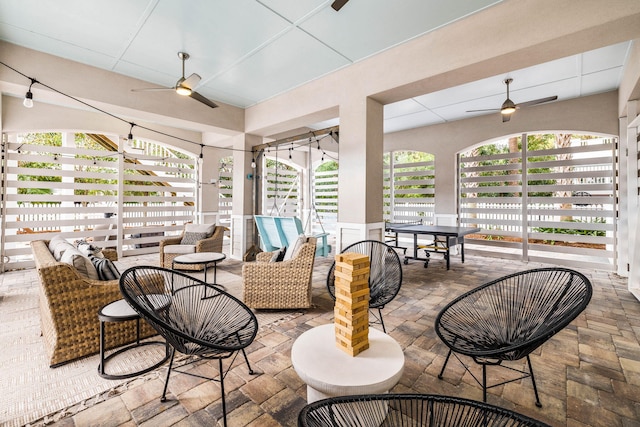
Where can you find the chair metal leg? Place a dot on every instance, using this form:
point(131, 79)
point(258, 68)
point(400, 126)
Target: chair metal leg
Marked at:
point(381, 321)
point(533, 380)
point(484, 383)
point(445, 364)
point(224, 404)
point(166, 382)
point(247, 360)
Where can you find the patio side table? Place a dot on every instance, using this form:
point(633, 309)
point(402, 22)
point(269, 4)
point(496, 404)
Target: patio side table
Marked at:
point(121, 311)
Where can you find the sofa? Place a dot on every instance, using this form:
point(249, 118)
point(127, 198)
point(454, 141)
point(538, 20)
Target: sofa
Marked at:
point(69, 305)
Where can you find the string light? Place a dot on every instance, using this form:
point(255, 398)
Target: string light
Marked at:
point(28, 102)
point(130, 136)
point(28, 97)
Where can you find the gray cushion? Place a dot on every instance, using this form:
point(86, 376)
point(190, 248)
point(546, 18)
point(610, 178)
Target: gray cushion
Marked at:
point(191, 238)
point(105, 268)
point(82, 264)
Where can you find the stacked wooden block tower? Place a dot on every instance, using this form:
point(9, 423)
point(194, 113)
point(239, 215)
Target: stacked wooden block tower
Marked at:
point(351, 312)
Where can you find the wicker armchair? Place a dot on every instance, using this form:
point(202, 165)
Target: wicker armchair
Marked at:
point(280, 285)
point(508, 318)
point(69, 305)
point(385, 274)
point(408, 410)
point(210, 244)
point(195, 318)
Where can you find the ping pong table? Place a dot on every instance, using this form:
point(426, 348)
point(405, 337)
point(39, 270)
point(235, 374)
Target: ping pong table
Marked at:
point(443, 238)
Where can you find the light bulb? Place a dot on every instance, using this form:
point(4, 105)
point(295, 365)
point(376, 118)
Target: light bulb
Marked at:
point(253, 163)
point(28, 100)
point(183, 90)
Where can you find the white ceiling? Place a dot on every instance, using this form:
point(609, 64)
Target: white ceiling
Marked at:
point(247, 51)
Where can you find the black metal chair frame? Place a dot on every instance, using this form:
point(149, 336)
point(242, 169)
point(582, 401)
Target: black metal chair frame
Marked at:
point(188, 298)
point(408, 410)
point(472, 325)
point(381, 290)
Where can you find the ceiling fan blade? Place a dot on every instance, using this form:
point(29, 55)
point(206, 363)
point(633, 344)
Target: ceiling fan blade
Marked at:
point(151, 89)
point(537, 101)
point(191, 81)
point(198, 97)
point(337, 4)
point(477, 111)
point(506, 117)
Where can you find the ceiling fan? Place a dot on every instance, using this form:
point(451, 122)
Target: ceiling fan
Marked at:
point(184, 86)
point(509, 107)
point(337, 4)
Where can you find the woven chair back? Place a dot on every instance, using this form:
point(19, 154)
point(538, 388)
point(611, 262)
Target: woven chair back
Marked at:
point(408, 410)
point(508, 318)
point(385, 271)
point(196, 318)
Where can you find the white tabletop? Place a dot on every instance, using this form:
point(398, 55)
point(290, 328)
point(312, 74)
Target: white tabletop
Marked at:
point(199, 257)
point(326, 368)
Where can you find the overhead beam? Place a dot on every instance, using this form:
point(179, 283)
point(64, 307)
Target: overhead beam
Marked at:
point(303, 137)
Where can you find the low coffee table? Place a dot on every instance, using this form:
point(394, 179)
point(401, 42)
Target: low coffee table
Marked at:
point(329, 371)
point(121, 311)
point(205, 258)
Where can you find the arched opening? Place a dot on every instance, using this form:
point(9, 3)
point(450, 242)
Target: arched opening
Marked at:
point(552, 199)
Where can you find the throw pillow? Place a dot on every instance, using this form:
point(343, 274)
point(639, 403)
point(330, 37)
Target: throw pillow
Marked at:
point(86, 249)
point(191, 238)
point(105, 268)
point(82, 264)
point(55, 241)
point(200, 228)
point(60, 248)
point(293, 249)
point(278, 255)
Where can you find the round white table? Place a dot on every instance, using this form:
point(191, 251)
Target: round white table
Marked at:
point(329, 371)
point(205, 258)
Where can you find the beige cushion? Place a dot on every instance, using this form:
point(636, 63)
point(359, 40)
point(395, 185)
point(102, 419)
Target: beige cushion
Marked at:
point(200, 228)
point(60, 248)
point(55, 241)
point(180, 249)
point(293, 249)
point(81, 263)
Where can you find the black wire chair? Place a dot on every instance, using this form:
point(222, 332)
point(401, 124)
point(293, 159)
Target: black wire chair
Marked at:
point(508, 318)
point(385, 274)
point(195, 318)
point(408, 410)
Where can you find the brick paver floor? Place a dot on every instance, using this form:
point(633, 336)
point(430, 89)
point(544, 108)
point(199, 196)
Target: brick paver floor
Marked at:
point(587, 375)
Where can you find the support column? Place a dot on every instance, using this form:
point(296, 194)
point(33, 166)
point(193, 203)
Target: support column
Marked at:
point(360, 174)
point(209, 186)
point(68, 140)
point(242, 226)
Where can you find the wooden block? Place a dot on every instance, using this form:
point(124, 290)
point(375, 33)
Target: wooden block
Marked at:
point(348, 276)
point(351, 258)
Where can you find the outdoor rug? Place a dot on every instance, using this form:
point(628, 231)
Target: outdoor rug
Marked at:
point(33, 392)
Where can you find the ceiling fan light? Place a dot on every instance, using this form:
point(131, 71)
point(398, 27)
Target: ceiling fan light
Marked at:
point(183, 90)
point(508, 107)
